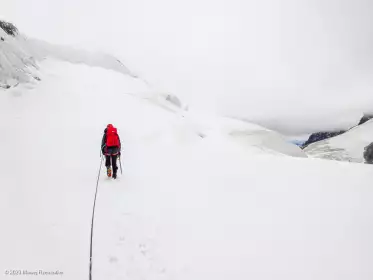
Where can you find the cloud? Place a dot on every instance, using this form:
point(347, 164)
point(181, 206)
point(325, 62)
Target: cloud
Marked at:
point(294, 65)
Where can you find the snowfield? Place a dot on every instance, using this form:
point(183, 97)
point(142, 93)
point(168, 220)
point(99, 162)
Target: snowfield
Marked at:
point(201, 197)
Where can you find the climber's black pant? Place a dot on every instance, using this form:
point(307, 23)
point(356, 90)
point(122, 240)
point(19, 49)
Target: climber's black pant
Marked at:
point(111, 160)
point(111, 155)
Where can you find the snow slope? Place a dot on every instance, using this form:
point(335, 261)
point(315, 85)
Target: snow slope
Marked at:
point(17, 63)
point(248, 135)
point(43, 49)
point(19, 58)
point(200, 197)
point(345, 147)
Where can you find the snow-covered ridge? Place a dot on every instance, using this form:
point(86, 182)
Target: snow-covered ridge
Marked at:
point(19, 57)
point(42, 50)
point(21, 62)
point(345, 147)
point(17, 63)
point(240, 135)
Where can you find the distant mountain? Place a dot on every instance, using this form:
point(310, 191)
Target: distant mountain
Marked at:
point(365, 118)
point(323, 135)
point(348, 146)
point(319, 136)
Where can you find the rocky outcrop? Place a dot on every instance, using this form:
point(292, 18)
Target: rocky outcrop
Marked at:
point(9, 28)
point(365, 118)
point(17, 63)
point(319, 136)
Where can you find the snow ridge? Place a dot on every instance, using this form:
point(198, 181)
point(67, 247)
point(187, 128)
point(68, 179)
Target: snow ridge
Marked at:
point(19, 57)
point(17, 63)
point(77, 56)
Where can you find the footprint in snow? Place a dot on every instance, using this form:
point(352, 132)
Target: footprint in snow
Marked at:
point(143, 249)
point(113, 259)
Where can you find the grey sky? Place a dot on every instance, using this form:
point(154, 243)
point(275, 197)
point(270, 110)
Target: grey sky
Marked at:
point(294, 65)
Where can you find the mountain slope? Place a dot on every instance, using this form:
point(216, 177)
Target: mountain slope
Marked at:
point(19, 58)
point(200, 197)
point(16, 60)
point(319, 136)
point(43, 49)
point(346, 147)
point(50, 148)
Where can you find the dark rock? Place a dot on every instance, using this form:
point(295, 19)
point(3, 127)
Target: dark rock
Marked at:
point(365, 118)
point(318, 136)
point(368, 154)
point(9, 28)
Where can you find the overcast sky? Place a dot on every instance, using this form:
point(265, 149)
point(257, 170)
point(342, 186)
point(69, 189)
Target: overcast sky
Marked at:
point(293, 65)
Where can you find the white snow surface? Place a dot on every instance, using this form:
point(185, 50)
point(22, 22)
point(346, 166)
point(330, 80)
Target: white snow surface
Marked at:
point(348, 146)
point(200, 197)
